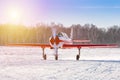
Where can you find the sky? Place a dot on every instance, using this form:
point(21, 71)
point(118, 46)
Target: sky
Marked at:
point(102, 13)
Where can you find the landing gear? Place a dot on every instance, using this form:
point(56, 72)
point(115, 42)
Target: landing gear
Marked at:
point(44, 55)
point(78, 55)
point(56, 53)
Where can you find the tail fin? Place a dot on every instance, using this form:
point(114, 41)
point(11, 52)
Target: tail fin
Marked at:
point(78, 41)
point(71, 34)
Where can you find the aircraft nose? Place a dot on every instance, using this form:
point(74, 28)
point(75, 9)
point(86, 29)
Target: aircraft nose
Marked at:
point(55, 40)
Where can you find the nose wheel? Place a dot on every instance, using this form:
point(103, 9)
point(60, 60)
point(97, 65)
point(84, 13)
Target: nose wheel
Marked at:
point(56, 53)
point(56, 57)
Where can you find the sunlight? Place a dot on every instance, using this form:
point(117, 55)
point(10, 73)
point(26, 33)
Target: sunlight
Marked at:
point(14, 16)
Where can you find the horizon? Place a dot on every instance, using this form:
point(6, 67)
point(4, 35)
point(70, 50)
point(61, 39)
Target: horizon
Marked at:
point(102, 13)
point(53, 23)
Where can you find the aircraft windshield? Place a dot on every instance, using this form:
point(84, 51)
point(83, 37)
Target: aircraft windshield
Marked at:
point(61, 34)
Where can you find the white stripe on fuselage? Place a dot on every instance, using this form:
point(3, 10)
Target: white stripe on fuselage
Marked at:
point(66, 40)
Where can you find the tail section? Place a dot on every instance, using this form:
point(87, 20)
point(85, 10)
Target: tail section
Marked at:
point(77, 41)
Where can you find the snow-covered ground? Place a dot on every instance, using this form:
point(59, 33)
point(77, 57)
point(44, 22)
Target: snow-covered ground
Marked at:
point(25, 63)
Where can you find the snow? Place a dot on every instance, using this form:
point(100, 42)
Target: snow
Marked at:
point(26, 63)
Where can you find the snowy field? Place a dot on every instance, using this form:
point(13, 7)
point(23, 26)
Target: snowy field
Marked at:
point(25, 63)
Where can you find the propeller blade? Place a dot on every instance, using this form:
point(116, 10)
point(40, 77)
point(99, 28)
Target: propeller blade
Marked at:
point(54, 42)
point(55, 46)
point(54, 32)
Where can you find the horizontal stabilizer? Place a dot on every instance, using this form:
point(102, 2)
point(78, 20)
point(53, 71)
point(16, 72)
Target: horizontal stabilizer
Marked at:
point(81, 41)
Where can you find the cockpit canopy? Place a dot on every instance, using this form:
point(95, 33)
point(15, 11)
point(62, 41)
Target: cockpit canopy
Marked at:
point(62, 34)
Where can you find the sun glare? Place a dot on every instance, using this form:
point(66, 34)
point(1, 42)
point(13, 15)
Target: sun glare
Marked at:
point(14, 16)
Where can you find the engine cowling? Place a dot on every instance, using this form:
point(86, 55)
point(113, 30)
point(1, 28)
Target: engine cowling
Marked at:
point(54, 41)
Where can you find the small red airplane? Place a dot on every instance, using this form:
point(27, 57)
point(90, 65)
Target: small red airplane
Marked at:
point(61, 40)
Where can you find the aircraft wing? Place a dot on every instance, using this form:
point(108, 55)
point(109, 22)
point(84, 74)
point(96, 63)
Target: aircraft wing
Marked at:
point(79, 46)
point(90, 45)
point(30, 44)
point(66, 45)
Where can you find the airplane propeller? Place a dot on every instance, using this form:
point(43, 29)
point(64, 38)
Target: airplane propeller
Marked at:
point(55, 41)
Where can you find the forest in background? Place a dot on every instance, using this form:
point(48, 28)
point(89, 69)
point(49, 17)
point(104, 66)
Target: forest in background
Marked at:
point(40, 33)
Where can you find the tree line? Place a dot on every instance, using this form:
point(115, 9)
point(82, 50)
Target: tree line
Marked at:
point(40, 33)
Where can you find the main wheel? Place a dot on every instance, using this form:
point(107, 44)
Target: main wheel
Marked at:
point(44, 56)
point(77, 57)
